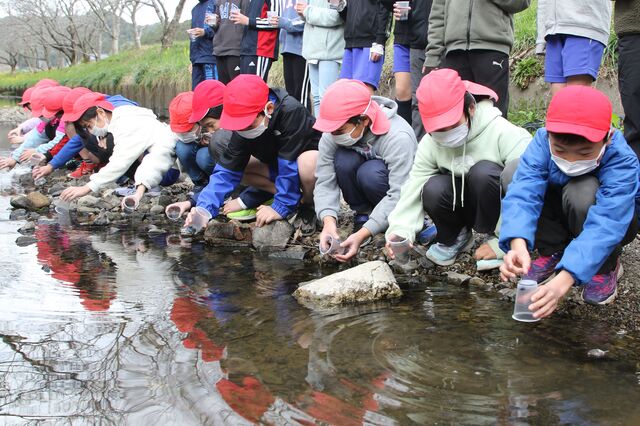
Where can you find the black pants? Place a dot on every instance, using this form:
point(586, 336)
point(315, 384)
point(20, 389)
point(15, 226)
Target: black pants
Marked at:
point(629, 85)
point(481, 208)
point(256, 65)
point(92, 145)
point(487, 67)
point(296, 77)
point(228, 68)
point(563, 215)
point(363, 182)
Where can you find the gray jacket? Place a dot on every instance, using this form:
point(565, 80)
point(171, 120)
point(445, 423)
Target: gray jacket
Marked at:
point(323, 38)
point(470, 25)
point(396, 148)
point(584, 18)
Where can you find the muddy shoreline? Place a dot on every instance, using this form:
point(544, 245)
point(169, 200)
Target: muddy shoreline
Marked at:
point(102, 211)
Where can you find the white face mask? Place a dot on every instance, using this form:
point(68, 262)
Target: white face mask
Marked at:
point(346, 139)
point(452, 138)
point(258, 130)
point(576, 168)
point(189, 137)
point(100, 132)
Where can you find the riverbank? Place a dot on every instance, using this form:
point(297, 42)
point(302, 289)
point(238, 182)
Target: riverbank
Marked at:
point(94, 212)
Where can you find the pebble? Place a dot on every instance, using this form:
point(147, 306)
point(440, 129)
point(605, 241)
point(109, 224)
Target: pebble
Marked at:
point(25, 241)
point(597, 353)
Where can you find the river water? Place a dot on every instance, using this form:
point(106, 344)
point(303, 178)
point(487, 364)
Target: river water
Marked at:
point(118, 328)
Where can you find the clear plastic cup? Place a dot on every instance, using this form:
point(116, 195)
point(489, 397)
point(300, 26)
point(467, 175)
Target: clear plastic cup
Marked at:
point(200, 218)
point(173, 213)
point(401, 247)
point(521, 311)
point(333, 4)
point(192, 36)
point(332, 246)
point(404, 5)
point(36, 159)
point(130, 204)
point(211, 19)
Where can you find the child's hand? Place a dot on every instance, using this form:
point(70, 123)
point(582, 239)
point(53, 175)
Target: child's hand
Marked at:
point(517, 261)
point(545, 299)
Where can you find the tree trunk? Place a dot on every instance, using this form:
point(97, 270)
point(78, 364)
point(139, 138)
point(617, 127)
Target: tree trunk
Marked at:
point(169, 33)
point(115, 35)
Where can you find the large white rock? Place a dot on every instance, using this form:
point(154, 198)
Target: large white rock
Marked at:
point(363, 283)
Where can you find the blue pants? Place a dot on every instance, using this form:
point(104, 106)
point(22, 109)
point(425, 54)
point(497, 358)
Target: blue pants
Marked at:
point(196, 161)
point(363, 182)
point(322, 75)
point(202, 72)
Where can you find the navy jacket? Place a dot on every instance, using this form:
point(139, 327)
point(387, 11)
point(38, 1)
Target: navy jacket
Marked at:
point(289, 133)
point(607, 221)
point(201, 50)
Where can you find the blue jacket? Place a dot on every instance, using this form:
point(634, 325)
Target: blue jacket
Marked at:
point(74, 145)
point(201, 50)
point(289, 133)
point(607, 221)
point(291, 28)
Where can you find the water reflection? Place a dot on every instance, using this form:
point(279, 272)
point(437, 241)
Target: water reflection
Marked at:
point(127, 328)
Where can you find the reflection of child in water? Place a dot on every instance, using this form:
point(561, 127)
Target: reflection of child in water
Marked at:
point(72, 259)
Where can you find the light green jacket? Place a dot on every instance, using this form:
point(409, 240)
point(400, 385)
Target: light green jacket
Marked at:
point(491, 138)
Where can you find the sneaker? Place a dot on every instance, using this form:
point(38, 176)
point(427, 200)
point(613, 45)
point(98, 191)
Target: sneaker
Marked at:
point(543, 267)
point(154, 192)
point(246, 215)
point(428, 233)
point(84, 169)
point(305, 220)
point(443, 255)
point(602, 288)
point(125, 191)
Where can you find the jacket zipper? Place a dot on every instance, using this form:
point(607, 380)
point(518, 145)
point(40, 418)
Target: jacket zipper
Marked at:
point(469, 25)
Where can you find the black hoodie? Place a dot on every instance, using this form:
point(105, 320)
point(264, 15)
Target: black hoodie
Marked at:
point(366, 23)
point(412, 32)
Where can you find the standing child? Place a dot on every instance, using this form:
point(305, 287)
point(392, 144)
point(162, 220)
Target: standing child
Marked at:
point(227, 39)
point(366, 152)
point(575, 33)
point(259, 47)
point(322, 46)
point(203, 63)
point(455, 177)
point(365, 34)
point(574, 198)
point(294, 66)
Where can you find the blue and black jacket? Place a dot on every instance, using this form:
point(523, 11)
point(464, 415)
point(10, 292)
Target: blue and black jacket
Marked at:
point(617, 199)
point(289, 133)
point(76, 143)
point(201, 50)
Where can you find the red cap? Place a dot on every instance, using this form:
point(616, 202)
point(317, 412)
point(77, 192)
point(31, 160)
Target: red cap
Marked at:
point(208, 94)
point(37, 99)
point(46, 82)
point(84, 102)
point(26, 96)
point(244, 98)
point(180, 111)
point(580, 110)
point(441, 98)
point(70, 99)
point(345, 99)
point(53, 102)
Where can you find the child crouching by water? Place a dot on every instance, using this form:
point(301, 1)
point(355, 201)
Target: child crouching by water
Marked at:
point(574, 198)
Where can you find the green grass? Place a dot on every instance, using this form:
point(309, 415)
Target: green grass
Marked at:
point(525, 28)
point(149, 67)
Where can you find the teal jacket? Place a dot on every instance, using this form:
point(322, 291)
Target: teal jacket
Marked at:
point(323, 38)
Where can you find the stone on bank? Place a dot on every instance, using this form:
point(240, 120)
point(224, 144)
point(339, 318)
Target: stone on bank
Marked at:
point(364, 283)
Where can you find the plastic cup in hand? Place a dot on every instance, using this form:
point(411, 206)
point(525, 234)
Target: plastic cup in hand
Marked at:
point(521, 311)
point(36, 159)
point(200, 218)
point(129, 204)
point(173, 213)
point(404, 14)
point(334, 4)
point(211, 19)
point(192, 36)
point(331, 246)
point(400, 247)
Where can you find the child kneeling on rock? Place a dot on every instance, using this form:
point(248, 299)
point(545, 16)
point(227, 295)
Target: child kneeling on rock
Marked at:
point(455, 177)
point(137, 135)
point(574, 197)
point(366, 151)
point(273, 139)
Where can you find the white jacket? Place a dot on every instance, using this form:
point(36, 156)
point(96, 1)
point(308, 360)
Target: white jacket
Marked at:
point(135, 131)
